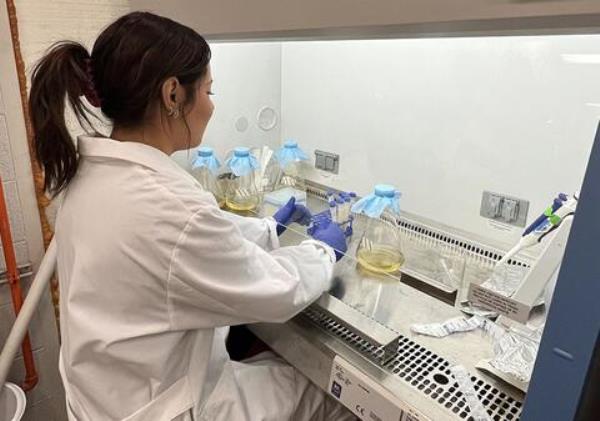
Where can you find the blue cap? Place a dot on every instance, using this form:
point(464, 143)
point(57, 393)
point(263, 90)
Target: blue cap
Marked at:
point(339, 200)
point(290, 143)
point(205, 151)
point(241, 151)
point(385, 190)
point(352, 194)
point(332, 204)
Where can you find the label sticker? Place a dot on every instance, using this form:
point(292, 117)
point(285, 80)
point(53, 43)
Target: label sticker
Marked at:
point(366, 398)
point(482, 297)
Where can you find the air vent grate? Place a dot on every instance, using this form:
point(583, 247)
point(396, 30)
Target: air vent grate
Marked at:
point(425, 371)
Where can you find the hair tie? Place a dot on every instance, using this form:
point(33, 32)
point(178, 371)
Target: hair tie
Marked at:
point(89, 88)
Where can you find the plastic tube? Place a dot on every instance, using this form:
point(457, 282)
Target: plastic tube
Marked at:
point(333, 210)
point(339, 217)
point(347, 208)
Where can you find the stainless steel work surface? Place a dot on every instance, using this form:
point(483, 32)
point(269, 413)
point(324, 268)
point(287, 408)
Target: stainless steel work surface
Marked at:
point(419, 372)
point(418, 376)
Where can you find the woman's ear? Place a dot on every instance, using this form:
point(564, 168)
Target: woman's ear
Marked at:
point(171, 95)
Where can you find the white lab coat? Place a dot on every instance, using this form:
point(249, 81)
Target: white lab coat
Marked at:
point(151, 273)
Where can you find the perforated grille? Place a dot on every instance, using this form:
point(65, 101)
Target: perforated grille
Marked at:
point(426, 371)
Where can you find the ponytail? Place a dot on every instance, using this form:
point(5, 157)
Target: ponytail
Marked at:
point(64, 72)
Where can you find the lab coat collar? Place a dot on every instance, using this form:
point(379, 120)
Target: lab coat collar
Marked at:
point(137, 152)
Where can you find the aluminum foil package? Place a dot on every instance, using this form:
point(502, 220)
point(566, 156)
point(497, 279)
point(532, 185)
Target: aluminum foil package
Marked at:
point(440, 330)
point(465, 385)
point(516, 351)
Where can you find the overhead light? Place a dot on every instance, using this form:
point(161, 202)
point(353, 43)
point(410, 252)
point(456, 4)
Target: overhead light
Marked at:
point(593, 104)
point(581, 58)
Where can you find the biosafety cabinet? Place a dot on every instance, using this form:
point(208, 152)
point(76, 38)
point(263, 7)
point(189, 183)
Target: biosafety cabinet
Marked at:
point(483, 116)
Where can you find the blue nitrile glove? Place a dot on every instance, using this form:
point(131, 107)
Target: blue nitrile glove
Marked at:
point(290, 213)
point(331, 234)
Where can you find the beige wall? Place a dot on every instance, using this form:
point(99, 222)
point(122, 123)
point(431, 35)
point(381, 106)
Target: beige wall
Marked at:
point(40, 23)
point(358, 18)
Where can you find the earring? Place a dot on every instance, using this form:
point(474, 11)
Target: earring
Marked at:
point(173, 112)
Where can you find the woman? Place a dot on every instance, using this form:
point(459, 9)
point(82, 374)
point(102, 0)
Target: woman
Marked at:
point(151, 271)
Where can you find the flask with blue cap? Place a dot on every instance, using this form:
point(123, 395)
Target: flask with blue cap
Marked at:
point(242, 193)
point(291, 161)
point(290, 178)
point(205, 169)
point(380, 248)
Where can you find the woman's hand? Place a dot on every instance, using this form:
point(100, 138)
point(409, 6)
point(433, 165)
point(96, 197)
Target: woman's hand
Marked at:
point(331, 234)
point(290, 213)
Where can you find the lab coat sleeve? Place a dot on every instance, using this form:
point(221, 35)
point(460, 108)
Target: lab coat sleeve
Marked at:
point(218, 277)
point(261, 231)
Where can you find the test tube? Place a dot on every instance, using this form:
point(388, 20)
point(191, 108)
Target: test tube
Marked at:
point(340, 205)
point(333, 210)
point(347, 208)
point(339, 217)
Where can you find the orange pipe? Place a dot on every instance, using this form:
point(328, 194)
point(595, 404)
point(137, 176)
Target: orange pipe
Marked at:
point(38, 175)
point(31, 377)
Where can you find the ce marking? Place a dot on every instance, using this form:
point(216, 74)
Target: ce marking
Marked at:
point(360, 410)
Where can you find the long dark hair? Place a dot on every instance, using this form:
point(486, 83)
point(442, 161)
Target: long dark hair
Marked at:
point(123, 76)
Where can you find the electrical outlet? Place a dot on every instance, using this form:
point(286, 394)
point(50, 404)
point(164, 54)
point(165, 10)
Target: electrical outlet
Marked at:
point(510, 210)
point(327, 161)
point(506, 209)
point(491, 205)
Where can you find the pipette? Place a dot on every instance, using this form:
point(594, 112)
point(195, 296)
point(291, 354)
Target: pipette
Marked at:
point(552, 217)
